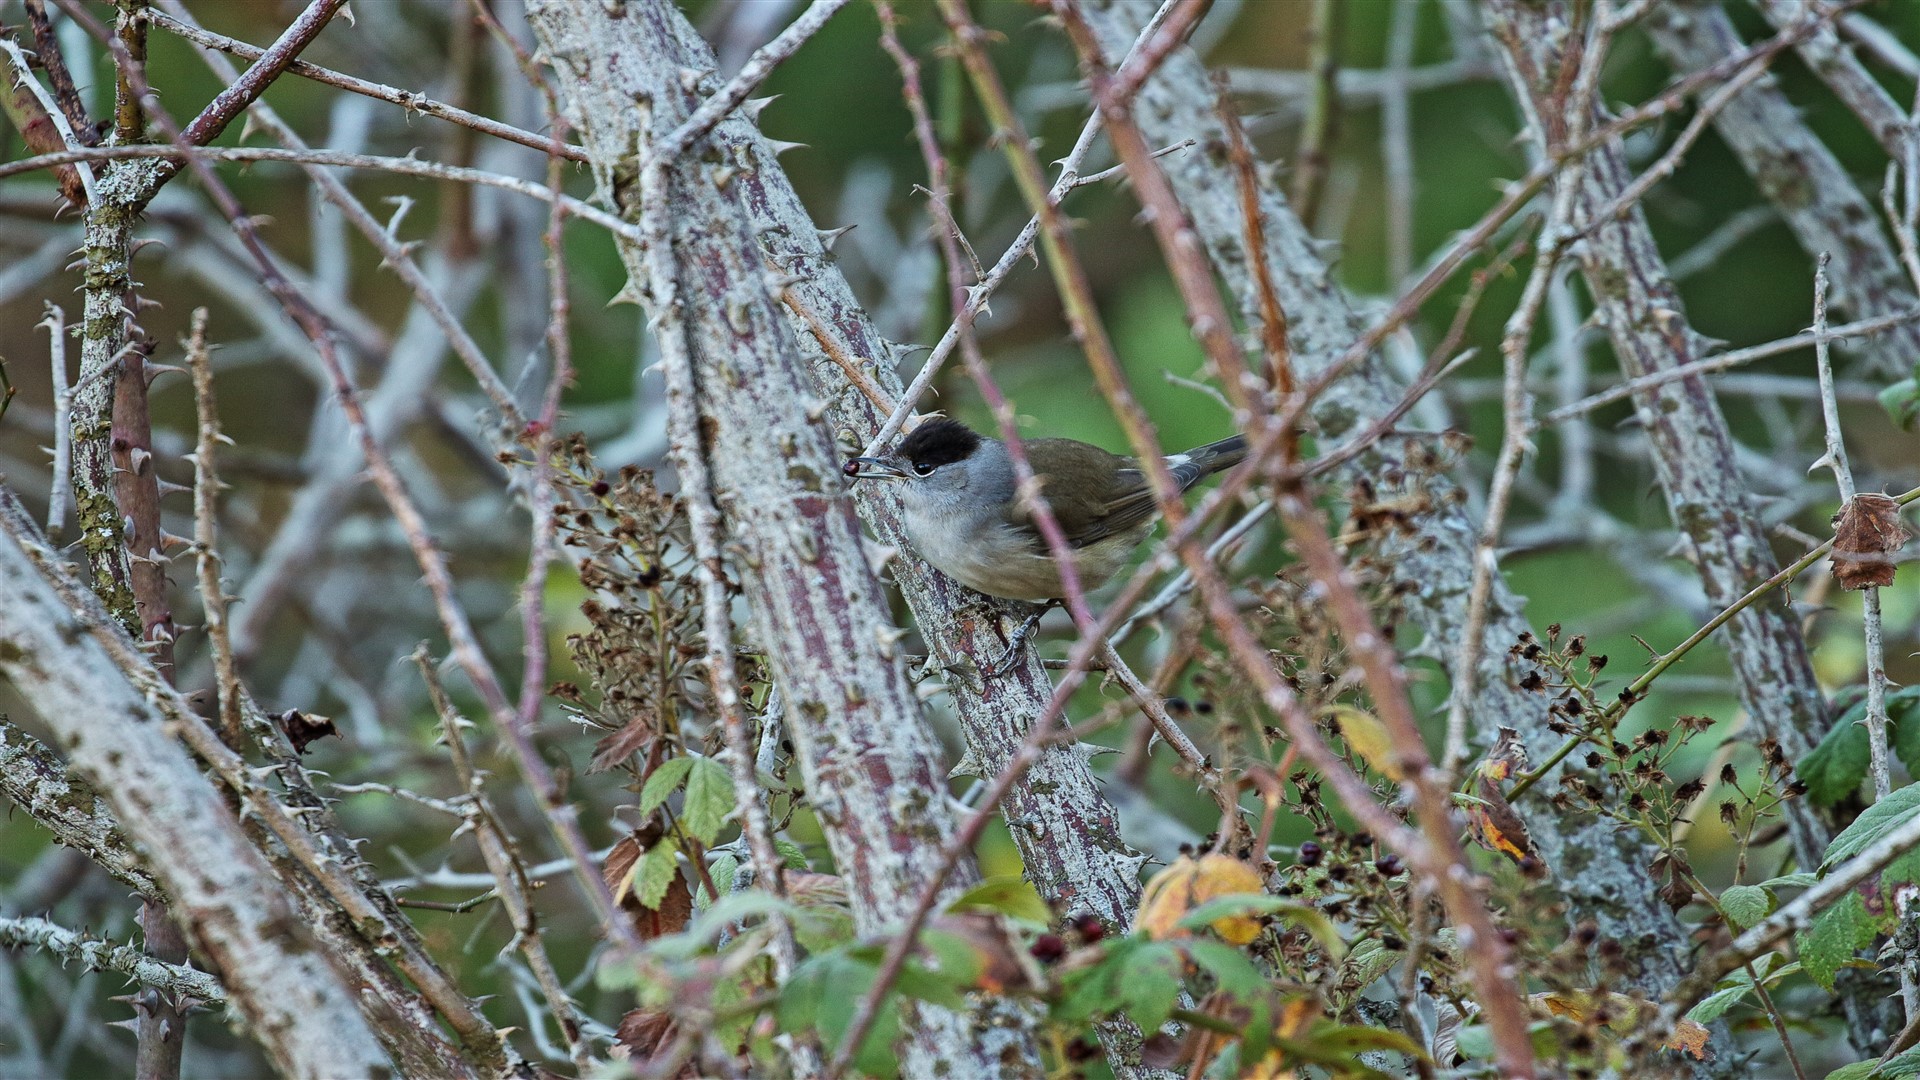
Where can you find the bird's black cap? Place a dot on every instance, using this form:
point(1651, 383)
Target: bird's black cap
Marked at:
point(939, 442)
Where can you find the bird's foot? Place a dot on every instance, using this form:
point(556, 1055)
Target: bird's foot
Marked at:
point(1017, 642)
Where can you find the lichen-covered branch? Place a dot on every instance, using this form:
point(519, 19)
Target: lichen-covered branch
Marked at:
point(1692, 449)
point(38, 782)
point(1598, 868)
point(72, 946)
point(1795, 171)
point(121, 739)
point(818, 609)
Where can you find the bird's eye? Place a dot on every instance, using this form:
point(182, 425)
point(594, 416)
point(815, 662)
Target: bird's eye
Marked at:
point(922, 468)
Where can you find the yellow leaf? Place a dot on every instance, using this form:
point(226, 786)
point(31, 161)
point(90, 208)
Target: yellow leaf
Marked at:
point(1623, 1015)
point(1690, 1037)
point(1296, 1016)
point(1189, 883)
point(1368, 737)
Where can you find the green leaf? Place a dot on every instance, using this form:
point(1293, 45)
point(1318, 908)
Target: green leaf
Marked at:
point(1905, 1063)
point(1008, 894)
point(796, 858)
point(656, 871)
point(958, 959)
point(823, 995)
point(723, 870)
point(1874, 822)
point(662, 782)
point(820, 927)
point(1830, 942)
point(1803, 880)
point(1715, 1005)
point(1149, 985)
point(920, 984)
point(1306, 917)
point(1746, 905)
point(1088, 992)
point(1859, 1070)
point(1902, 402)
point(1474, 1041)
point(1903, 726)
point(709, 799)
point(1368, 960)
point(1836, 767)
point(1256, 1035)
point(1232, 972)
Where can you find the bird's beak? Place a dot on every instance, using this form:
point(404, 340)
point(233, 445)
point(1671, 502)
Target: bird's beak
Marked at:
point(873, 468)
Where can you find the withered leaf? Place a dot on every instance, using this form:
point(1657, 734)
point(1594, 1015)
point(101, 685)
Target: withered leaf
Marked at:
point(1691, 1038)
point(642, 1031)
point(1620, 1014)
point(1506, 758)
point(1675, 877)
point(614, 749)
point(1493, 821)
point(675, 908)
point(644, 1037)
point(303, 728)
point(671, 917)
point(620, 860)
point(1867, 532)
point(996, 954)
point(1189, 883)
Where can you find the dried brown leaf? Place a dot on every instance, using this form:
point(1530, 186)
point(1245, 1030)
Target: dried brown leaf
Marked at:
point(303, 728)
point(1493, 822)
point(613, 749)
point(1867, 532)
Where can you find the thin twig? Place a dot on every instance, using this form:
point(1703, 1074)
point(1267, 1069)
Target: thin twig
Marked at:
point(1396, 140)
point(703, 515)
point(24, 76)
point(511, 883)
point(1876, 659)
point(696, 483)
point(407, 166)
point(1724, 361)
point(410, 100)
point(1324, 33)
point(231, 101)
point(206, 515)
point(752, 74)
point(93, 953)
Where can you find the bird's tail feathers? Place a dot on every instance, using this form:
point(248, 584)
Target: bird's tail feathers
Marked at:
point(1203, 461)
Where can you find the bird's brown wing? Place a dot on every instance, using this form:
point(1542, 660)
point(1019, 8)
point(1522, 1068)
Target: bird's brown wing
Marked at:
point(1087, 517)
point(1129, 506)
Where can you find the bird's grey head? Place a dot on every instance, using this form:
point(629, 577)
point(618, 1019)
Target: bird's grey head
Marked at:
point(944, 470)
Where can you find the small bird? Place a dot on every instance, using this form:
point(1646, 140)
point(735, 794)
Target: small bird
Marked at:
point(963, 512)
